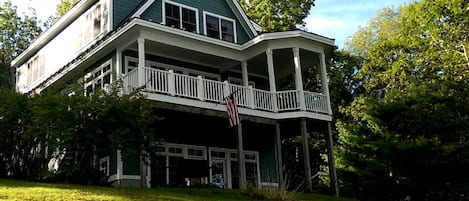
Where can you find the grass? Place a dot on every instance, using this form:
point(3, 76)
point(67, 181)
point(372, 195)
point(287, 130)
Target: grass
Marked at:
point(21, 190)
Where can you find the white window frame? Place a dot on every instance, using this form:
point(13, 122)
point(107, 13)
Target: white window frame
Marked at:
point(35, 64)
point(205, 13)
point(82, 23)
point(104, 160)
point(100, 77)
point(163, 11)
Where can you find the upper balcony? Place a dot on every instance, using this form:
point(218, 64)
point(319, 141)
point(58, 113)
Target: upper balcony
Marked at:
point(171, 87)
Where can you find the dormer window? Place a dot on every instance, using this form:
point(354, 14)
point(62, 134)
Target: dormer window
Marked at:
point(180, 16)
point(220, 27)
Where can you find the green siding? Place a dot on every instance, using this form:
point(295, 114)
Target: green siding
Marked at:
point(219, 7)
point(154, 12)
point(123, 8)
point(131, 166)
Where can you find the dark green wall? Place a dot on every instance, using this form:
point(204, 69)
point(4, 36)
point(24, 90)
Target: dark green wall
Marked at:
point(131, 166)
point(121, 9)
point(219, 7)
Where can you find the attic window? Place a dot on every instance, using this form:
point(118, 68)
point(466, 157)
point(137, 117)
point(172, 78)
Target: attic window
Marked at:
point(180, 16)
point(220, 27)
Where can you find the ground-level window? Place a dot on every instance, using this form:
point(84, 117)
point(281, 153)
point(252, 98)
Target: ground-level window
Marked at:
point(104, 165)
point(220, 27)
point(100, 78)
point(180, 16)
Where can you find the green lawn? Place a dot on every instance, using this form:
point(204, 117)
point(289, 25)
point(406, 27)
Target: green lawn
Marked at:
point(20, 190)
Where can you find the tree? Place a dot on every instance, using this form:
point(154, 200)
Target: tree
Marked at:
point(278, 15)
point(409, 143)
point(63, 7)
point(17, 32)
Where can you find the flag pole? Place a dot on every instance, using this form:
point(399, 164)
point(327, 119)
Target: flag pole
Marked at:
point(241, 157)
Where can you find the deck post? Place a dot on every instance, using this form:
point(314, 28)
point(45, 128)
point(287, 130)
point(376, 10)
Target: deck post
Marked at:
point(171, 84)
point(244, 69)
point(271, 71)
point(304, 133)
point(252, 104)
point(141, 62)
point(324, 84)
point(241, 160)
point(278, 153)
point(200, 88)
point(330, 158)
point(299, 78)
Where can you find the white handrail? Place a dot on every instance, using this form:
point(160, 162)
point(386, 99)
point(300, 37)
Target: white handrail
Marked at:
point(174, 84)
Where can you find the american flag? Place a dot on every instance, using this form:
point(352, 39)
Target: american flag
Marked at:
point(232, 110)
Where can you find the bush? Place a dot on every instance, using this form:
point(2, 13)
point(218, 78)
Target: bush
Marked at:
point(268, 194)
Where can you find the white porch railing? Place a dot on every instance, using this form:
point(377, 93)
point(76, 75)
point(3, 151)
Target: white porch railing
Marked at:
point(174, 84)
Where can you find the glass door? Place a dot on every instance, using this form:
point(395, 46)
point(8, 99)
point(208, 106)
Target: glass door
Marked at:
point(218, 173)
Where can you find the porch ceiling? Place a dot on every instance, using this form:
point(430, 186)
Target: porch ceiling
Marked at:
point(187, 55)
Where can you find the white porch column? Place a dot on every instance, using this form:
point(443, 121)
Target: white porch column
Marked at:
point(118, 64)
point(324, 83)
point(244, 68)
point(271, 71)
point(141, 62)
point(299, 78)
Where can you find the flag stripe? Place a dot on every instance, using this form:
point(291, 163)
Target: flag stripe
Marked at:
point(232, 111)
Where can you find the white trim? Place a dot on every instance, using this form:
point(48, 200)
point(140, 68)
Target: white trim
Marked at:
point(270, 184)
point(220, 35)
point(119, 165)
point(111, 13)
point(163, 17)
point(244, 111)
point(245, 17)
point(130, 177)
point(104, 160)
point(112, 178)
point(143, 8)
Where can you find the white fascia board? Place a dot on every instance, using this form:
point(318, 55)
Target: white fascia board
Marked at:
point(143, 8)
point(244, 16)
point(288, 34)
point(52, 32)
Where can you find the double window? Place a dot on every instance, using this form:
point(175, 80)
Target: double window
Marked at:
point(180, 16)
point(92, 24)
point(220, 27)
point(100, 78)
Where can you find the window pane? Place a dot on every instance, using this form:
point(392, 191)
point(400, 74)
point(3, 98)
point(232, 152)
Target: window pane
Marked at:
point(172, 15)
point(227, 28)
point(188, 20)
point(212, 27)
point(97, 21)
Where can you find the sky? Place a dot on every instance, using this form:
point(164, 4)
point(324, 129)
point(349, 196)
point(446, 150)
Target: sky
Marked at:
point(338, 19)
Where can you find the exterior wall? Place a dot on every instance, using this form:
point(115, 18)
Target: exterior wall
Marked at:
point(112, 162)
point(121, 9)
point(219, 7)
point(61, 50)
point(131, 166)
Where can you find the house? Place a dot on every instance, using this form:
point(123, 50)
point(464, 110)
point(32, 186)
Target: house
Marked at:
point(187, 56)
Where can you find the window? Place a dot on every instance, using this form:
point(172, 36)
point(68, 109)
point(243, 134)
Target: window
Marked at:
point(35, 69)
point(92, 24)
point(180, 16)
point(104, 165)
point(98, 79)
point(220, 27)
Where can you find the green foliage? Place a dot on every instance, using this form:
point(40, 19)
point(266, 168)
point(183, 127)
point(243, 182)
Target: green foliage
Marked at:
point(82, 127)
point(413, 141)
point(278, 15)
point(17, 32)
point(63, 7)
point(268, 194)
